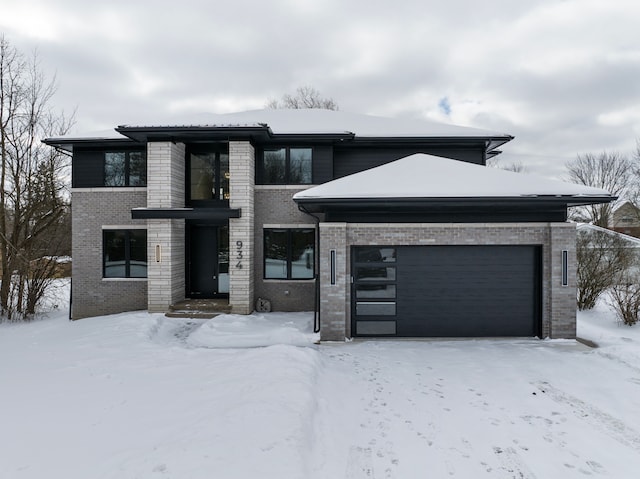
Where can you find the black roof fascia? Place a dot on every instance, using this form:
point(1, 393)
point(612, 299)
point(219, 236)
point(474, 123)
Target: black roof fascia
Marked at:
point(68, 144)
point(180, 133)
point(489, 143)
point(396, 204)
point(185, 213)
point(259, 134)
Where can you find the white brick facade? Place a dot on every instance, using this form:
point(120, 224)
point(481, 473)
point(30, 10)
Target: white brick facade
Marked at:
point(241, 230)
point(165, 237)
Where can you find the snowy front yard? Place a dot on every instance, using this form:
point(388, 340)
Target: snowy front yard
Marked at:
point(144, 396)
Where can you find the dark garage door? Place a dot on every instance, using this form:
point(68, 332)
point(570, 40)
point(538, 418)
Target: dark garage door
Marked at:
point(446, 291)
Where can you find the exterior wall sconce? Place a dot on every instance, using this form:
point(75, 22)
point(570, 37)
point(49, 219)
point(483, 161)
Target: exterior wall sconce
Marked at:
point(158, 253)
point(333, 266)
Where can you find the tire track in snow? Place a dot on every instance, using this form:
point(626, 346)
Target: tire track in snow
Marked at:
point(360, 463)
point(612, 426)
point(513, 464)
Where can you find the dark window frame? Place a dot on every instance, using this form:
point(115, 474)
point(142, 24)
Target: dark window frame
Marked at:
point(289, 248)
point(217, 150)
point(127, 252)
point(127, 168)
point(288, 180)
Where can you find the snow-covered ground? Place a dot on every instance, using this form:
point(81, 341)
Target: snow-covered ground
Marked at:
point(143, 396)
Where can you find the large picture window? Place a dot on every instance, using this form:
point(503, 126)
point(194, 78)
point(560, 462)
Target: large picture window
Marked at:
point(125, 253)
point(292, 166)
point(289, 253)
point(125, 168)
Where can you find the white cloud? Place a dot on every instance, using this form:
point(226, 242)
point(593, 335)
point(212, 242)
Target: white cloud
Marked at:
point(560, 75)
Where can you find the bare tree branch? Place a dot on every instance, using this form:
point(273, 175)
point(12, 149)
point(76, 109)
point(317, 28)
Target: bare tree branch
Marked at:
point(610, 171)
point(305, 97)
point(33, 203)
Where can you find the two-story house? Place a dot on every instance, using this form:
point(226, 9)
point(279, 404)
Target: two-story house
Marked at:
point(625, 218)
point(383, 227)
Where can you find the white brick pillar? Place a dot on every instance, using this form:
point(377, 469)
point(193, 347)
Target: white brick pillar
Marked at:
point(165, 238)
point(241, 230)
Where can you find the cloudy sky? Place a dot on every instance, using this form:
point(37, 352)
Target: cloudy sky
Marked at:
point(562, 76)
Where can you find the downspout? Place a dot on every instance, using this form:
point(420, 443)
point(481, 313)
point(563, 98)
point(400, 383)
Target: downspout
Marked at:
point(316, 311)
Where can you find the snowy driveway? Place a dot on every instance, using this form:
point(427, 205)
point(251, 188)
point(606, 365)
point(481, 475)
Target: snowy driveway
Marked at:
point(469, 409)
point(140, 396)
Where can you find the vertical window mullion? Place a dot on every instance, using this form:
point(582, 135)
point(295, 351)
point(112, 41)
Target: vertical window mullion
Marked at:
point(104, 254)
point(289, 253)
point(127, 253)
point(287, 166)
point(126, 169)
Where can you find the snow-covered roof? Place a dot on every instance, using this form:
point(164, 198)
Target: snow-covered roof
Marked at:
point(428, 176)
point(307, 121)
point(319, 121)
point(624, 203)
point(632, 241)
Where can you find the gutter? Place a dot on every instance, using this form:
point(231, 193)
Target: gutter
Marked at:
point(316, 275)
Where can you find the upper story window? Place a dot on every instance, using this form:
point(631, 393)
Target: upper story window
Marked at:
point(287, 166)
point(125, 168)
point(208, 173)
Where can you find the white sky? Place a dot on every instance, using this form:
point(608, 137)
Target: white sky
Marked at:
point(559, 75)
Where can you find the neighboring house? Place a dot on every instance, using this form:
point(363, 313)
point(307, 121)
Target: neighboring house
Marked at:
point(384, 227)
point(626, 219)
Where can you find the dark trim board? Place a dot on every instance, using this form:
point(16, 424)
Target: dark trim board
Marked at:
point(450, 291)
point(205, 214)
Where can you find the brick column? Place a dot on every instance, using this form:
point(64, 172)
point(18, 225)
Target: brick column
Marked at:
point(334, 298)
point(165, 189)
point(563, 298)
point(241, 230)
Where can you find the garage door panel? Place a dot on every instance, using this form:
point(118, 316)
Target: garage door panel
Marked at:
point(458, 291)
point(466, 291)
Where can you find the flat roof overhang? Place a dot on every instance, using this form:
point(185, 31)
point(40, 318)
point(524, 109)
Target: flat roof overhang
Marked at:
point(67, 144)
point(213, 214)
point(259, 133)
point(552, 202)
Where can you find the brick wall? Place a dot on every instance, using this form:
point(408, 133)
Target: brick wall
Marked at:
point(166, 189)
point(275, 208)
point(241, 230)
point(92, 209)
point(558, 302)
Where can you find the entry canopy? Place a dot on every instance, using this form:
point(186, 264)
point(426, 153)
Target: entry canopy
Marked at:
point(432, 188)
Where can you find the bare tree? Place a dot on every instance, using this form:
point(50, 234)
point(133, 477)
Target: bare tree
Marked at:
point(603, 261)
point(515, 166)
point(625, 300)
point(33, 202)
point(305, 97)
point(610, 171)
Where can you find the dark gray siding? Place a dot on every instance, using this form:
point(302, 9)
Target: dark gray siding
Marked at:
point(352, 160)
point(439, 213)
point(87, 168)
point(322, 164)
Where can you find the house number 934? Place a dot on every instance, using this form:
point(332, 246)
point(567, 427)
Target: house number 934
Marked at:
point(239, 255)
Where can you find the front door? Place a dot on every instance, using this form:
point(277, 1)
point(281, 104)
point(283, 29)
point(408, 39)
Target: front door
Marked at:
point(208, 265)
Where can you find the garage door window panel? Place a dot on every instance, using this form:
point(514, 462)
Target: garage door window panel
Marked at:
point(375, 255)
point(374, 287)
point(377, 291)
point(375, 273)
